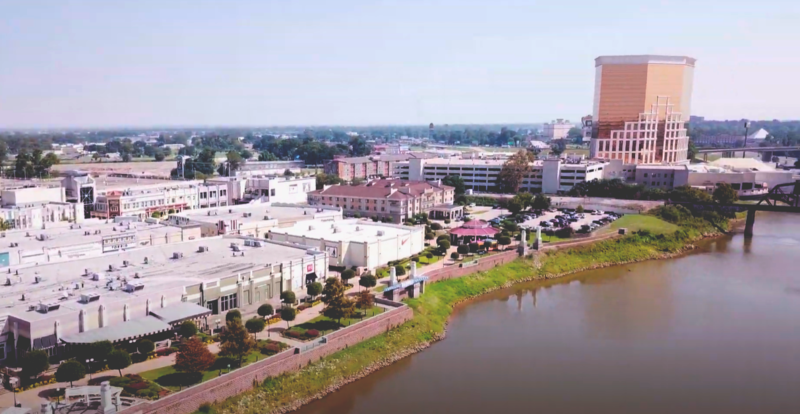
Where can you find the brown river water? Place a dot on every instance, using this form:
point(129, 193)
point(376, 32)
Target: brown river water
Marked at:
point(717, 331)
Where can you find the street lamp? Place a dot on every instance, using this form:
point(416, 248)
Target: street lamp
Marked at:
point(88, 365)
point(746, 128)
point(229, 368)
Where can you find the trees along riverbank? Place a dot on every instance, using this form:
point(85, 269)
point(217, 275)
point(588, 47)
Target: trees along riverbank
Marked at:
point(433, 309)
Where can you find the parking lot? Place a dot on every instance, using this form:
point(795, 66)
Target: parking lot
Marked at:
point(546, 216)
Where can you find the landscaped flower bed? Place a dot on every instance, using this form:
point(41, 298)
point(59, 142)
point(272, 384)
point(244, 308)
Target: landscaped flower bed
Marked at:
point(134, 385)
point(38, 382)
point(270, 347)
point(301, 334)
point(274, 319)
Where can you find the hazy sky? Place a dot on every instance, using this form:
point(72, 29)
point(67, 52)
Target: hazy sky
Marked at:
point(267, 62)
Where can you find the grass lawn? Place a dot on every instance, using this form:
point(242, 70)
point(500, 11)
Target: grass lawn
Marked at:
point(167, 376)
point(425, 261)
point(327, 325)
point(636, 222)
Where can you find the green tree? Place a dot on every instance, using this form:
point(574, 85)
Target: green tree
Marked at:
point(187, 329)
point(34, 363)
point(515, 169)
point(267, 156)
point(575, 135)
point(146, 346)
point(204, 162)
point(504, 240)
point(288, 297)
point(365, 300)
point(368, 281)
point(69, 371)
point(235, 341)
point(557, 147)
point(457, 182)
point(255, 325)
point(692, 151)
point(232, 164)
point(444, 244)
point(541, 202)
point(314, 289)
point(288, 314)
point(119, 360)
point(348, 274)
point(725, 194)
point(338, 305)
point(233, 314)
point(514, 206)
point(265, 310)
point(100, 350)
point(579, 209)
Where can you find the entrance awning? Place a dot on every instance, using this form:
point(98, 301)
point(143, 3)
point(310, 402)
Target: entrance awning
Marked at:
point(135, 328)
point(180, 312)
point(45, 342)
point(311, 278)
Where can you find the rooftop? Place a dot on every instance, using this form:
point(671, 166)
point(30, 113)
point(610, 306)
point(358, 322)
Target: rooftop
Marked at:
point(346, 230)
point(158, 268)
point(389, 189)
point(65, 234)
point(255, 212)
point(644, 59)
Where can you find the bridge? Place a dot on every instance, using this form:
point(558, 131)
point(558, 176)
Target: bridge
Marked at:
point(783, 198)
point(766, 152)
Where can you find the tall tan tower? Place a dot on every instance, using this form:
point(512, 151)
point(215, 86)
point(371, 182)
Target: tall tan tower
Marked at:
point(641, 106)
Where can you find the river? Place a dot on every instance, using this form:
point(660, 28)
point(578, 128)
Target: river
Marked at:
point(717, 331)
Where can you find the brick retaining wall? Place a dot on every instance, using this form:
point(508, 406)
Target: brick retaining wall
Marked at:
point(484, 264)
point(241, 380)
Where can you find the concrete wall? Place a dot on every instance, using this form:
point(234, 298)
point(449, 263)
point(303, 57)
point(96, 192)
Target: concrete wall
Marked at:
point(221, 388)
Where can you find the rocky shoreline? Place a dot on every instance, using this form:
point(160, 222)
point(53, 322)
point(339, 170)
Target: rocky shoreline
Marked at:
point(438, 337)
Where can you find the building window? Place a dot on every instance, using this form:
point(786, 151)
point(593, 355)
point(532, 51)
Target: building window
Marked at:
point(228, 302)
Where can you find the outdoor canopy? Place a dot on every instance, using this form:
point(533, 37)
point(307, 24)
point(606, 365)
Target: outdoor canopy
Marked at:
point(180, 312)
point(132, 329)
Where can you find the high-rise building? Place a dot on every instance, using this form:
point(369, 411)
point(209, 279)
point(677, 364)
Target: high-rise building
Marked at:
point(558, 129)
point(641, 106)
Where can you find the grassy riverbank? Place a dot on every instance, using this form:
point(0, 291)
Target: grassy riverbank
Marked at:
point(432, 310)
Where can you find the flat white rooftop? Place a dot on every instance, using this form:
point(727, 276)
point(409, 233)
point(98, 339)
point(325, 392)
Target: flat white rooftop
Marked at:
point(256, 212)
point(161, 272)
point(71, 234)
point(346, 230)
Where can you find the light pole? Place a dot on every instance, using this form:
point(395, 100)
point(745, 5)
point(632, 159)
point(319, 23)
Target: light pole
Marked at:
point(89, 366)
point(746, 128)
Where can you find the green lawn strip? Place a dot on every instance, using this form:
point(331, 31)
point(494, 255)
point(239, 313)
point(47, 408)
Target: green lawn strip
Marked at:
point(162, 376)
point(326, 325)
point(432, 310)
point(636, 222)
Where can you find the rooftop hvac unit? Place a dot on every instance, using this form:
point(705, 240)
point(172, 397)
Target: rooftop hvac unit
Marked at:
point(38, 279)
point(381, 233)
point(177, 255)
point(235, 248)
point(267, 217)
point(96, 276)
point(90, 297)
point(47, 307)
point(310, 228)
point(202, 249)
point(125, 263)
point(358, 228)
point(131, 287)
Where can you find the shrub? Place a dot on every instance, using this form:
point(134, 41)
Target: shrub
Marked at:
point(233, 314)
point(146, 346)
point(474, 247)
point(312, 333)
point(205, 408)
point(265, 310)
point(463, 249)
point(400, 270)
point(138, 386)
point(294, 334)
point(429, 255)
point(436, 226)
point(504, 240)
point(288, 297)
point(269, 349)
point(347, 275)
point(187, 329)
point(446, 221)
point(565, 232)
point(454, 256)
point(444, 244)
point(429, 236)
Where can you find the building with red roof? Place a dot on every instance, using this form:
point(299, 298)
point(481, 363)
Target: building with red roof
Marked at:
point(395, 200)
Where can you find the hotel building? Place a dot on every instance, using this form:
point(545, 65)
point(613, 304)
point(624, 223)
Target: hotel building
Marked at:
point(641, 106)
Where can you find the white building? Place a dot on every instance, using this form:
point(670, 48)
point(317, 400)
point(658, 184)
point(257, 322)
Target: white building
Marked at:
point(254, 219)
point(355, 243)
point(280, 189)
point(168, 196)
point(37, 207)
point(558, 129)
point(143, 291)
point(549, 176)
